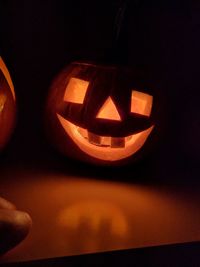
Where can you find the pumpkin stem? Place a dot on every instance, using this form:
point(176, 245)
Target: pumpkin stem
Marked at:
point(119, 19)
point(115, 55)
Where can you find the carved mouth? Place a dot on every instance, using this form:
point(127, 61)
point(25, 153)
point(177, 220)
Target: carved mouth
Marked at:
point(105, 147)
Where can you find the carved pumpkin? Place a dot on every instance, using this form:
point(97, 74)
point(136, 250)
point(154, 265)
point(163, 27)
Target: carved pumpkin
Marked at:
point(101, 114)
point(7, 105)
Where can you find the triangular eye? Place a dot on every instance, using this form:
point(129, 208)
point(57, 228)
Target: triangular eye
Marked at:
point(141, 103)
point(76, 90)
point(109, 111)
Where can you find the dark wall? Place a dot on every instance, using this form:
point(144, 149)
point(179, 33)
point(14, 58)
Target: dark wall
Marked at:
point(38, 38)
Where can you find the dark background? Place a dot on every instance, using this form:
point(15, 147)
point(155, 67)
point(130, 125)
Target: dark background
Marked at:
point(38, 38)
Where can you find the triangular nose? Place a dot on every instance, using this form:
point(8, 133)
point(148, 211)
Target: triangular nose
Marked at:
point(109, 111)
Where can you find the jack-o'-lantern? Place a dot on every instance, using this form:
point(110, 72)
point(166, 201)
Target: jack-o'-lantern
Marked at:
point(7, 105)
point(101, 114)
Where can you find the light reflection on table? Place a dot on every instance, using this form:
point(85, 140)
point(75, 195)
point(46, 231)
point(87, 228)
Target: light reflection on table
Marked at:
point(74, 215)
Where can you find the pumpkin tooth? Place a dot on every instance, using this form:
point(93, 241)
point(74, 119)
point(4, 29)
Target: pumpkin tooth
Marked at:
point(106, 141)
point(94, 139)
point(128, 138)
point(117, 142)
point(83, 132)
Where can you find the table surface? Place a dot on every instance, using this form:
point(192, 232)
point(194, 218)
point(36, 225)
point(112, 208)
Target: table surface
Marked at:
point(185, 254)
point(74, 214)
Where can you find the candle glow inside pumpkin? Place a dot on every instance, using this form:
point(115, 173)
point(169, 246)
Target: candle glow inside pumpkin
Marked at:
point(106, 147)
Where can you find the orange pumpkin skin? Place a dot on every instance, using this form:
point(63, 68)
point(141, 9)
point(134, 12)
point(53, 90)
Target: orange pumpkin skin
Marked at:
point(96, 100)
point(7, 105)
